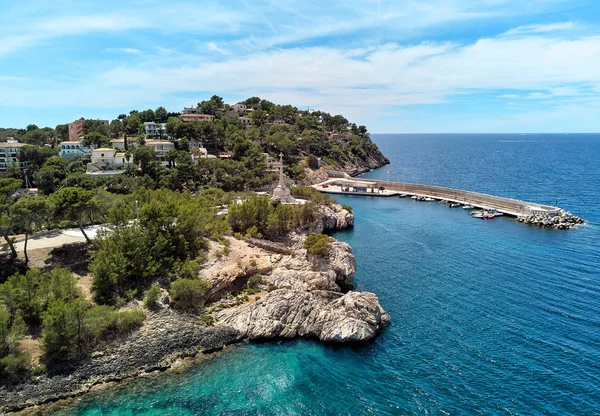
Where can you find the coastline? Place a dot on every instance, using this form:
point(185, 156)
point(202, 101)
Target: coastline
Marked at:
point(310, 299)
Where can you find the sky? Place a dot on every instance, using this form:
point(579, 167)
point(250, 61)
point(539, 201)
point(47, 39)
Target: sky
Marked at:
point(404, 66)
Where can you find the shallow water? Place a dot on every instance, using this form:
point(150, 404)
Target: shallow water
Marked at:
point(489, 317)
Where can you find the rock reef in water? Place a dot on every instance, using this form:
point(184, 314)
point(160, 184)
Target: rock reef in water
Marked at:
point(562, 220)
point(327, 315)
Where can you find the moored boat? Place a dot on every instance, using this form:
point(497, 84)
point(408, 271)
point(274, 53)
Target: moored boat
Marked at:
point(428, 199)
point(468, 207)
point(454, 205)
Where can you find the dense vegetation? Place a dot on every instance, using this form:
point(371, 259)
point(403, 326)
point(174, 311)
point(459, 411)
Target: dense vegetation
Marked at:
point(52, 301)
point(158, 217)
point(306, 139)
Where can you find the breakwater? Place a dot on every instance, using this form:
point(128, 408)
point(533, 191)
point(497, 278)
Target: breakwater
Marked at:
point(527, 212)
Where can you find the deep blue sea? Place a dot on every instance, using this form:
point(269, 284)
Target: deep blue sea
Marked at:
point(489, 317)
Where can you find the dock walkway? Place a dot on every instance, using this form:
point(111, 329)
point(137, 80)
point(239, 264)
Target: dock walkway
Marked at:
point(508, 206)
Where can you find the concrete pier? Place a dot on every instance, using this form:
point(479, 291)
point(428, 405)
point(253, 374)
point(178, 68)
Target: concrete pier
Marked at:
point(366, 187)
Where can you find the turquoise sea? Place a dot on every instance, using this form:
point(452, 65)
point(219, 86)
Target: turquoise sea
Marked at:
point(489, 317)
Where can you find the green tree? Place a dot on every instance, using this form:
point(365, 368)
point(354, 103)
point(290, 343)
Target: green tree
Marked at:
point(73, 204)
point(21, 295)
point(96, 140)
point(51, 174)
point(116, 128)
point(59, 328)
point(8, 187)
point(31, 214)
point(11, 330)
point(173, 126)
point(133, 125)
point(146, 158)
point(95, 126)
point(161, 115)
point(34, 157)
point(62, 132)
point(147, 116)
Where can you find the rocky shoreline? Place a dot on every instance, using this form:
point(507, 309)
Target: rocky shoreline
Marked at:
point(562, 220)
point(301, 295)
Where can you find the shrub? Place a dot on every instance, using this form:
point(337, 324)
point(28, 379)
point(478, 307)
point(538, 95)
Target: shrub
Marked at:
point(347, 208)
point(15, 366)
point(318, 244)
point(253, 232)
point(152, 296)
point(189, 294)
point(254, 281)
point(207, 319)
point(190, 269)
point(126, 321)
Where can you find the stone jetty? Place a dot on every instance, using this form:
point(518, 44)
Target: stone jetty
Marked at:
point(561, 220)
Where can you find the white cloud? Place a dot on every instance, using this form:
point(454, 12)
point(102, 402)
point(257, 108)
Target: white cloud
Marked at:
point(547, 28)
point(213, 47)
point(48, 29)
point(357, 82)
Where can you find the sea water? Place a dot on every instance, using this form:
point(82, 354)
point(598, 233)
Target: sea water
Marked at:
point(489, 317)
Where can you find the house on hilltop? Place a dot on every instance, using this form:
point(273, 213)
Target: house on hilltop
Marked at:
point(197, 117)
point(74, 149)
point(153, 129)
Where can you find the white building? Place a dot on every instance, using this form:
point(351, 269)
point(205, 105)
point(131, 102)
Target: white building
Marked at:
point(239, 107)
point(246, 121)
point(106, 160)
point(161, 147)
point(153, 129)
point(9, 154)
point(74, 150)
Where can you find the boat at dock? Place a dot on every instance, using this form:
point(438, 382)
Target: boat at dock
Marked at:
point(487, 213)
point(468, 207)
point(443, 201)
point(454, 205)
point(428, 199)
point(402, 196)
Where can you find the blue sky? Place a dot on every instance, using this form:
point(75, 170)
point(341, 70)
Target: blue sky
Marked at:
point(396, 66)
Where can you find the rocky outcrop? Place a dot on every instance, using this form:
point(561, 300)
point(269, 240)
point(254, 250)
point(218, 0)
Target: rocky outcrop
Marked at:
point(165, 337)
point(332, 217)
point(562, 220)
point(356, 167)
point(328, 316)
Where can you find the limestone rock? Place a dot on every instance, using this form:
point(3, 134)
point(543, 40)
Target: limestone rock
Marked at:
point(328, 316)
point(332, 217)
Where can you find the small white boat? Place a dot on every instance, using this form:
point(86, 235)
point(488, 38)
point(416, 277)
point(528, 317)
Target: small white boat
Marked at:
point(454, 205)
point(468, 207)
point(414, 197)
point(402, 196)
point(443, 201)
point(428, 199)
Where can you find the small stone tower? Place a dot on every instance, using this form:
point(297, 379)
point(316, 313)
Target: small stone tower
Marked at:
point(281, 193)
